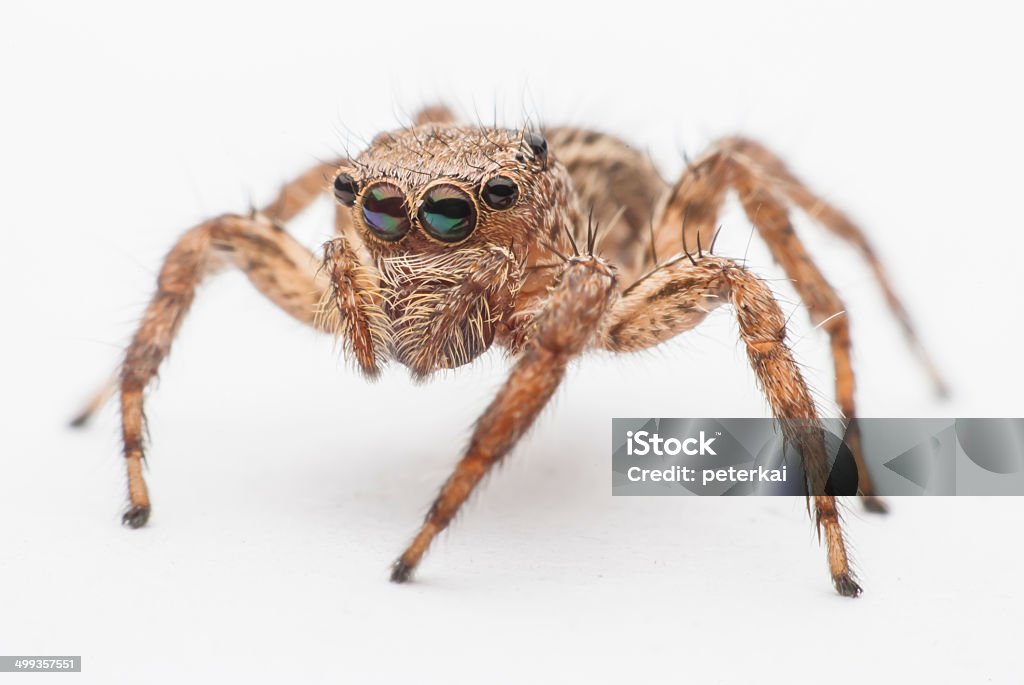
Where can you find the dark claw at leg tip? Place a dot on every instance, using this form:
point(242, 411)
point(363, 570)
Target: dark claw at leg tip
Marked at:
point(135, 517)
point(79, 421)
point(875, 505)
point(401, 572)
point(846, 586)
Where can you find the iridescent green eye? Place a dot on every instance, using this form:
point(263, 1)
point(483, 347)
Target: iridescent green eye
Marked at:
point(384, 211)
point(447, 213)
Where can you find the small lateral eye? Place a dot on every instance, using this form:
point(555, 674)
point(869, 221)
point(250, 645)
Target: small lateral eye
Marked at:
point(447, 213)
point(538, 146)
point(501, 192)
point(345, 189)
point(384, 211)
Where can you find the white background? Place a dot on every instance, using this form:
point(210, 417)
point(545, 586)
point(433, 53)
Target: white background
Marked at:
point(284, 485)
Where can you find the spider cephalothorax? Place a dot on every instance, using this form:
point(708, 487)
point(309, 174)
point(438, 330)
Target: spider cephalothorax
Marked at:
point(453, 238)
point(449, 217)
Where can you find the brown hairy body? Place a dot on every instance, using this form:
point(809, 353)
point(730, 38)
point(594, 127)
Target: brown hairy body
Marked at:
point(451, 239)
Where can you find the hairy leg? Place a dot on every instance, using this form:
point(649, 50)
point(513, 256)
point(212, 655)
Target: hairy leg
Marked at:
point(292, 198)
point(284, 271)
point(763, 184)
point(740, 163)
point(564, 326)
point(772, 171)
point(769, 215)
point(676, 298)
point(693, 204)
point(299, 193)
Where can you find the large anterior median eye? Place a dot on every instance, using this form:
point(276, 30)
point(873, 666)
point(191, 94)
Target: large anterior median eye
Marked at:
point(447, 213)
point(384, 211)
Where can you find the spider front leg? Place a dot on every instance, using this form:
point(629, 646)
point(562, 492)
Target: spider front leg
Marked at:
point(569, 319)
point(677, 297)
point(284, 271)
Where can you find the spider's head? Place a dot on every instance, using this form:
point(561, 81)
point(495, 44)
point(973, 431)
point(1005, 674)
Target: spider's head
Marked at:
point(440, 188)
point(450, 216)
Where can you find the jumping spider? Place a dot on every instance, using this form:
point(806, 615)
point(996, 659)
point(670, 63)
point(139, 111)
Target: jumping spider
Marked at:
point(452, 238)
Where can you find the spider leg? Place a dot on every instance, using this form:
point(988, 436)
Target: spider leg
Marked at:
point(771, 171)
point(762, 181)
point(565, 324)
point(278, 266)
point(677, 297)
point(299, 193)
point(434, 114)
point(292, 198)
point(770, 217)
point(693, 204)
point(96, 400)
